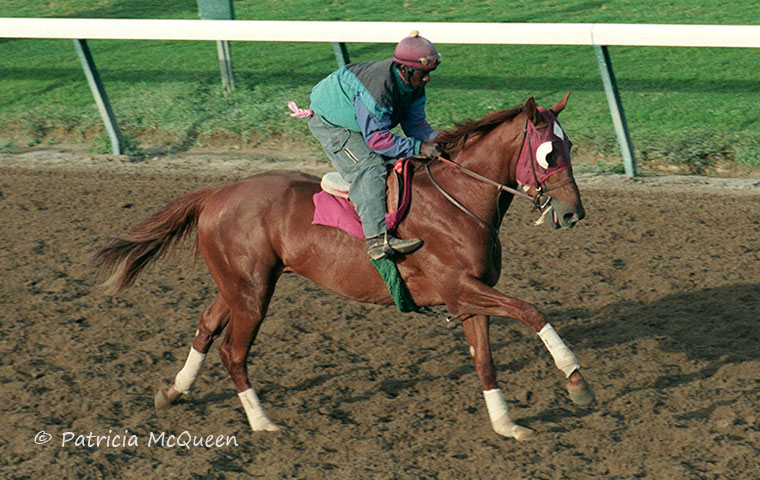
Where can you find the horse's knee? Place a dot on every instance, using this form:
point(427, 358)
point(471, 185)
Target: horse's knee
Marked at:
point(532, 316)
point(202, 341)
point(235, 364)
point(236, 367)
point(225, 354)
point(205, 336)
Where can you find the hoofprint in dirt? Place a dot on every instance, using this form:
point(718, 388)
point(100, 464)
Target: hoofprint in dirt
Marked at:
point(656, 291)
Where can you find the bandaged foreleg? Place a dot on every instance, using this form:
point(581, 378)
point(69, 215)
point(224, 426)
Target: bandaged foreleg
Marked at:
point(563, 357)
point(501, 422)
point(257, 418)
point(184, 380)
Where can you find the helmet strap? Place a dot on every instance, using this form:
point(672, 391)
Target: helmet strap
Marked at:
point(406, 73)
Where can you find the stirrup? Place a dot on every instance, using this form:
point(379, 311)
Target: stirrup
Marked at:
point(400, 245)
point(386, 246)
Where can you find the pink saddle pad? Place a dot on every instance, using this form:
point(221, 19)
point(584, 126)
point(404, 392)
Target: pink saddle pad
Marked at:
point(332, 211)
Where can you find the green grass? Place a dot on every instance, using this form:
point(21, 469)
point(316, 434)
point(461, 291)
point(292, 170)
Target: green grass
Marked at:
point(685, 106)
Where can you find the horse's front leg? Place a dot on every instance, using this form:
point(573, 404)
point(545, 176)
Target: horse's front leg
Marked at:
point(577, 388)
point(475, 296)
point(476, 332)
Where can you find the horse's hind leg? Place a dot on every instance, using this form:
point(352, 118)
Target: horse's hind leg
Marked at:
point(213, 320)
point(249, 302)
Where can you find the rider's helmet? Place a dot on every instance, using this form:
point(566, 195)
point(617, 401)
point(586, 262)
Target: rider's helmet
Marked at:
point(417, 52)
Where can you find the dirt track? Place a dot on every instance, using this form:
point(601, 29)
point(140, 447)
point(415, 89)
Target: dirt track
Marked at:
point(657, 292)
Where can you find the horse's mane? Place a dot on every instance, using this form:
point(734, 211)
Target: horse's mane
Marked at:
point(453, 141)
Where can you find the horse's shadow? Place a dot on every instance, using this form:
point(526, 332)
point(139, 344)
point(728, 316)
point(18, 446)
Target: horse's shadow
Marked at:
point(715, 326)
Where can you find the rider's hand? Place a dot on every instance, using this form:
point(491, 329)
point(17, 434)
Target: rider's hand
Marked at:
point(430, 150)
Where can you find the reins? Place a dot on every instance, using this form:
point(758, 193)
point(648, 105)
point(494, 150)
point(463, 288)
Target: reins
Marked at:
point(476, 175)
point(456, 203)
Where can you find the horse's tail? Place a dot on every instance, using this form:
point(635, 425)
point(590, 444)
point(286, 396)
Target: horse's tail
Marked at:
point(124, 258)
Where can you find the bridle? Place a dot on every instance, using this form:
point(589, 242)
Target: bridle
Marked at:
point(541, 201)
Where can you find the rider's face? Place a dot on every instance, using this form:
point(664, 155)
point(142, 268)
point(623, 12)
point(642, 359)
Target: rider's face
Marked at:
point(417, 78)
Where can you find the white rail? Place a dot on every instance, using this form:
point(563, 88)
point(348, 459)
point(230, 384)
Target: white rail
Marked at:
point(739, 36)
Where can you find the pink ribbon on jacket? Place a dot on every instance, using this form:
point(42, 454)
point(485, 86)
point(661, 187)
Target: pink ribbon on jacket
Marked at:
point(299, 112)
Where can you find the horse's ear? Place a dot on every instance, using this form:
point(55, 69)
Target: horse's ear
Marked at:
point(530, 110)
point(559, 106)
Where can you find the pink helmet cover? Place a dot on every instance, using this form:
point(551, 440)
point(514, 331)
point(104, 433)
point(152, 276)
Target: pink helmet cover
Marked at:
point(417, 52)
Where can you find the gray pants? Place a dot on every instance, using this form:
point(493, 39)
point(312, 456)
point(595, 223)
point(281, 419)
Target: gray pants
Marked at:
point(363, 168)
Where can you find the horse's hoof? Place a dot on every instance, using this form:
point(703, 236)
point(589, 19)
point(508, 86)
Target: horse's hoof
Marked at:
point(269, 427)
point(512, 430)
point(521, 433)
point(582, 397)
point(164, 399)
point(160, 401)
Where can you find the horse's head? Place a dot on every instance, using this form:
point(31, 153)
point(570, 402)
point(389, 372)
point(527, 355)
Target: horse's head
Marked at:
point(543, 169)
point(537, 157)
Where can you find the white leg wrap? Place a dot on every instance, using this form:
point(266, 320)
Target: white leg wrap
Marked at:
point(257, 418)
point(497, 407)
point(184, 380)
point(501, 422)
point(563, 357)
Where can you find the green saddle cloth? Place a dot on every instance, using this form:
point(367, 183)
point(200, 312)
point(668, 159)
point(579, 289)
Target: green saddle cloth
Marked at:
point(389, 271)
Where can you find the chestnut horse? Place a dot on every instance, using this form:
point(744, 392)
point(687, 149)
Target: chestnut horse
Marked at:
point(252, 231)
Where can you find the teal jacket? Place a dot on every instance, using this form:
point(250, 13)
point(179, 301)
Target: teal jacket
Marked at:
point(372, 98)
point(376, 84)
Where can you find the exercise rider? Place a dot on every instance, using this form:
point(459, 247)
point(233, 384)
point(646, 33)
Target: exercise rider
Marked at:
point(355, 109)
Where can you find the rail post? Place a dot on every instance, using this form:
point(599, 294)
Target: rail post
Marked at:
point(221, 10)
point(616, 109)
point(101, 99)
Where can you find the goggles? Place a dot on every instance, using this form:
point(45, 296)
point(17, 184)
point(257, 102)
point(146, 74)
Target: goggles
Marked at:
point(431, 59)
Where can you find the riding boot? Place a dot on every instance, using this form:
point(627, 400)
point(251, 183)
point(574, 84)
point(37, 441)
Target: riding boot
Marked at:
point(385, 245)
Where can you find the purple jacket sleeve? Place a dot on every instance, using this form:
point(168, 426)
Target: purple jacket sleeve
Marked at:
point(379, 138)
point(415, 124)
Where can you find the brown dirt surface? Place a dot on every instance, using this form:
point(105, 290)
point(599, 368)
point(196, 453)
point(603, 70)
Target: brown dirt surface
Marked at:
point(657, 292)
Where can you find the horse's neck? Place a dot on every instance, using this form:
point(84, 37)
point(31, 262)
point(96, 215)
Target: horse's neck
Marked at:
point(492, 157)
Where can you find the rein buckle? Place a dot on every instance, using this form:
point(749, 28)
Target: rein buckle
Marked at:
point(542, 205)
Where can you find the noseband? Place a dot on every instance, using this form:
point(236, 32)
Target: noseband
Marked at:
point(541, 201)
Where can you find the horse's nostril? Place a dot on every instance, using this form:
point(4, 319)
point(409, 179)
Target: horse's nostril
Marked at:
point(570, 219)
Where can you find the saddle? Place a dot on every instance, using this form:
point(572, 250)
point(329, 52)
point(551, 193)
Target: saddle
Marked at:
point(334, 184)
point(333, 208)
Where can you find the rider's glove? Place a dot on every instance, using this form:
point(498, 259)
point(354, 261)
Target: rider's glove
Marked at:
point(431, 150)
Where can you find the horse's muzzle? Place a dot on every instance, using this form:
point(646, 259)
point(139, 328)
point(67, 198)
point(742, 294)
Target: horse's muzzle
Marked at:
point(567, 217)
